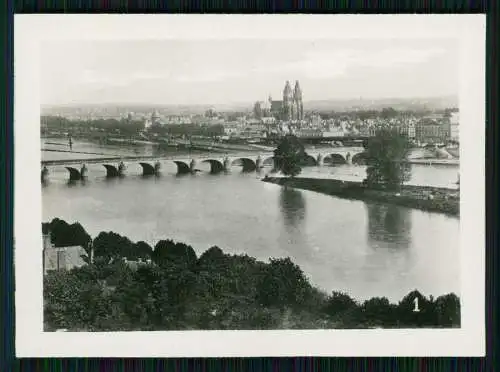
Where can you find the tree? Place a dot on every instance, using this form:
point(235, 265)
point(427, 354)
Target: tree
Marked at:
point(283, 284)
point(64, 235)
point(386, 155)
point(410, 317)
point(388, 113)
point(212, 256)
point(289, 155)
point(378, 311)
point(112, 246)
point(448, 310)
point(74, 300)
point(339, 302)
point(142, 250)
point(167, 251)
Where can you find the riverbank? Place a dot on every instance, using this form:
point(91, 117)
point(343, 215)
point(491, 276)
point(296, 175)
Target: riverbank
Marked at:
point(436, 162)
point(131, 286)
point(431, 199)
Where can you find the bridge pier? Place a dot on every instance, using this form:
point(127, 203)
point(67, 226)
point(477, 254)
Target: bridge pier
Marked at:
point(258, 163)
point(227, 164)
point(319, 160)
point(121, 168)
point(192, 166)
point(348, 158)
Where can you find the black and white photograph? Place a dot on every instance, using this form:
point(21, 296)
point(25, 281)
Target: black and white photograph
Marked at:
point(223, 177)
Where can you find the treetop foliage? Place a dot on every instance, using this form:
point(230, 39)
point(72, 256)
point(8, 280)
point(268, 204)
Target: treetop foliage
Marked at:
point(289, 156)
point(386, 156)
point(65, 235)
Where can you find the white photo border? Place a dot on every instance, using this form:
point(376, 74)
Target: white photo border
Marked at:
point(31, 341)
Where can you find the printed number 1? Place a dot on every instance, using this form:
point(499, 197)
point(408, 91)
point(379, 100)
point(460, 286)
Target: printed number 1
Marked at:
point(415, 301)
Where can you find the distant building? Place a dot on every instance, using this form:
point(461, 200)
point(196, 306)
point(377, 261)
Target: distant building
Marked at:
point(155, 118)
point(427, 130)
point(61, 258)
point(408, 130)
point(268, 120)
point(266, 107)
point(333, 132)
point(232, 129)
point(257, 110)
point(454, 126)
point(308, 132)
point(276, 108)
point(293, 108)
point(315, 120)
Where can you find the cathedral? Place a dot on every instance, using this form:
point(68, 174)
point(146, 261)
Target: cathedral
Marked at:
point(293, 109)
point(289, 109)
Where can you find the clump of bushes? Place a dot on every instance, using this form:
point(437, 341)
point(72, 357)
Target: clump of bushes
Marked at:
point(178, 290)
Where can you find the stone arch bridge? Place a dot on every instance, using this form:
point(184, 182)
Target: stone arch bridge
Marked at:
point(248, 162)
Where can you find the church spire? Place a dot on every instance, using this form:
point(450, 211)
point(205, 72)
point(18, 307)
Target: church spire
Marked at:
point(297, 92)
point(287, 91)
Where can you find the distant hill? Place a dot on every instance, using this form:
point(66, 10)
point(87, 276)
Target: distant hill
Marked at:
point(114, 108)
point(431, 103)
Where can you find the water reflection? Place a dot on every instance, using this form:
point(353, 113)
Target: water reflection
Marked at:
point(388, 226)
point(292, 205)
point(73, 183)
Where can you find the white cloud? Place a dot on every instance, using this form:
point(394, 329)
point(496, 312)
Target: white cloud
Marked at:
point(392, 57)
point(206, 77)
point(318, 65)
point(314, 65)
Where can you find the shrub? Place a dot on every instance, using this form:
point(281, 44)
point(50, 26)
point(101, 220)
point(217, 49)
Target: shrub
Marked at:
point(425, 316)
point(212, 256)
point(448, 310)
point(283, 284)
point(338, 303)
point(378, 311)
point(111, 246)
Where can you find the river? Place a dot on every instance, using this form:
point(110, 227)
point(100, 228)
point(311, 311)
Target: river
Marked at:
point(361, 248)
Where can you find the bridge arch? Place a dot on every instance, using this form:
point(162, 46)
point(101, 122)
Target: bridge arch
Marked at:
point(248, 164)
point(148, 169)
point(309, 160)
point(360, 158)
point(75, 174)
point(335, 158)
point(215, 165)
point(111, 170)
point(182, 167)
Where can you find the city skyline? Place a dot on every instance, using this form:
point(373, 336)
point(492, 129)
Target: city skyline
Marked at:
point(237, 71)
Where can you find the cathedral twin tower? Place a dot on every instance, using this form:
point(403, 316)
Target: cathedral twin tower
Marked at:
point(292, 102)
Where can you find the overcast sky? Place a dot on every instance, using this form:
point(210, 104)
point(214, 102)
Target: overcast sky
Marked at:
point(214, 71)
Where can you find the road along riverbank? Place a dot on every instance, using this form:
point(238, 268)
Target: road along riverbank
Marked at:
point(431, 199)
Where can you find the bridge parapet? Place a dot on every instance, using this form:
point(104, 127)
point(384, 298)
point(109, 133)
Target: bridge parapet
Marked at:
point(187, 164)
